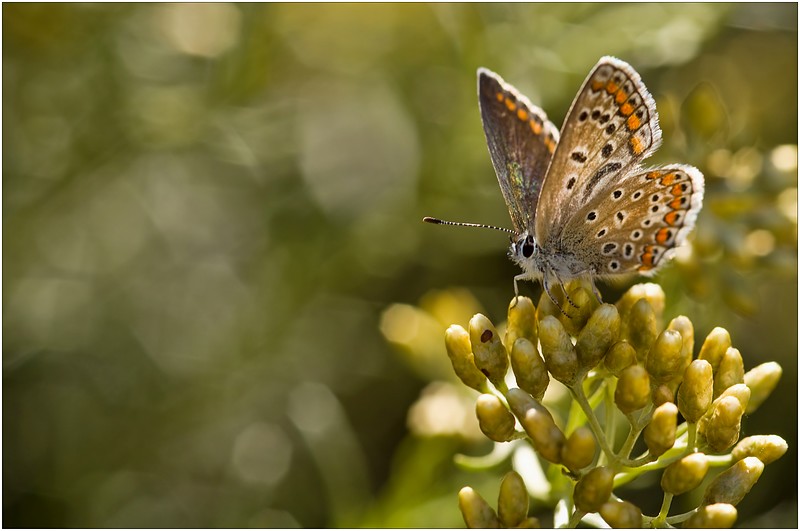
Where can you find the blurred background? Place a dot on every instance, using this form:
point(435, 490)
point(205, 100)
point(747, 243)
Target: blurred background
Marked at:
point(220, 306)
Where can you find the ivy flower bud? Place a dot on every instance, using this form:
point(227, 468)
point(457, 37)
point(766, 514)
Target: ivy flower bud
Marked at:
point(456, 341)
point(642, 328)
point(476, 512)
point(621, 514)
point(495, 421)
point(661, 394)
point(521, 321)
point(547, 307)
point(714, 347)
point(512, 502)
point(716, 516)
point(559, 354)
point(652, 292)
point(730, 371)
point(767, 448)
point(586, 303)
point(530, 522)
point(490, 355)
point(578, 451)
point(684, 474)
point(659, 434)
point(722, 429)
point(633, 389)
point(546, 438)
point(695, 392)
point(664, 360)
point(762, 381)
point(684, 327)
point(600, 332)
point(620, 356)
point(732, 485)
point(594, 489)
point(529, 368)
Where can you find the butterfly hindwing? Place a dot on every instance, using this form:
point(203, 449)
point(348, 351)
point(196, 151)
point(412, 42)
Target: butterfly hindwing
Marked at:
point(521, 143)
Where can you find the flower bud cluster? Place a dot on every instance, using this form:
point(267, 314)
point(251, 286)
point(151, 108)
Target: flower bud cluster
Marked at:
point(687, 410)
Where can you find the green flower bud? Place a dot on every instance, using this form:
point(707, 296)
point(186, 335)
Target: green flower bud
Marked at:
point(661, 394)
point(761, 380)
point(633, 389)
point(547, 307)
point(559, 354)
point(594, 489)
point(732, 485)
point(683, 326)
point(476, 512)
point(547, 439)
point(651, 292)
point(659, 434)
point(684, 474)
point(586, 303)
point(578, 451)
point(642, 328)
point(495, 421)
point(722, 429)
point(621, 514)
point(512, 503)
point(521, 321)
point(600, 332)
point(740, 391)
point(714, 347)
point(695, 393)
point(716, 516)
point(529, 368)
point(456, 341)
point(530, 522)
point(490, 355)
point(620, 356)
point(664, 361)
point(767, 448)
point(730, 371)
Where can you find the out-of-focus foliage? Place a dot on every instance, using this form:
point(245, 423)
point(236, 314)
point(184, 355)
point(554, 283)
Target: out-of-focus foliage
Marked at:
point(209, 211)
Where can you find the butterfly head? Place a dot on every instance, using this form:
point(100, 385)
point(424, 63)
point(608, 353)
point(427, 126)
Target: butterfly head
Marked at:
point(523, 251)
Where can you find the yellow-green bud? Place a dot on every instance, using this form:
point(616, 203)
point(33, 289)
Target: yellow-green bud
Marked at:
point(716, 516)
point(594, 489)
point(600, 332)
point(490, 355)
point(495, 421)
point(695, 392)
point(684, 474)
point(662, 394)
point(732, 485)
point(761, 380)
point(456, 341)
point(621, 514)
point(529, 368)
point(620, 356)
point(559, 354)
point(642, 328)
point(546, 437)
point(664, 361)
point(730, 371)
point(633, 389)
point(578, 451)
point(530, 522)
point(547, 307)
point(521, 321)
point(586, 303)
point(714, 347)
point(722, 429)
point(476, 512)
point(652, 292)
point(740, 391)
point(684, 327)
point(659, 434)
point(767, 448)
point(512, 503)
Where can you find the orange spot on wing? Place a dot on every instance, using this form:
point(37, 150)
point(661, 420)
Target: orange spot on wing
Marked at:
point(550, 143)
point(636, 146)
point(647, 258)
point(536, 127)
point(671, 218)
point(511, 106)
point(662, 235)
point(668, 180)
point(500, 96)
point(597, 85)
point(621, 96)
point(611, 87)
point(522, 115)
point(675, 204)
point(677, 191)
point(633, 122)
point(653, 175)
point(626, 109)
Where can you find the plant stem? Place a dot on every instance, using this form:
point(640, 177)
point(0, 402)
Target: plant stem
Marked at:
point(662, 514)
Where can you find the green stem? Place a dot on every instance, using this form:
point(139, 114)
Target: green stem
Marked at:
point(662, 514)
point(575, 519)
point(599, 434)
point(678, 518)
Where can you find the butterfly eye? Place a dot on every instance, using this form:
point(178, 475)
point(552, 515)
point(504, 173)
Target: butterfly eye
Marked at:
point(528, 247)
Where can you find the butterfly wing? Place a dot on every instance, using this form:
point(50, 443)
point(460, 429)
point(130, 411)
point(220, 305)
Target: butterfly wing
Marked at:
point(610, 129)
point(634, 225)
point(521, 143)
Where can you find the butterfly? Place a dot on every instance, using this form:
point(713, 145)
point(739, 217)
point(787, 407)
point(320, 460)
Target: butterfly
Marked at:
point(581, 204)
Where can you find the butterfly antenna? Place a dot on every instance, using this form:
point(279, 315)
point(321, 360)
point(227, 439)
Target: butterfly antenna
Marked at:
point(437, 221)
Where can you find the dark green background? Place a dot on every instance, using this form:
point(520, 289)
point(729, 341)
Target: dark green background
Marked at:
point(207, 209)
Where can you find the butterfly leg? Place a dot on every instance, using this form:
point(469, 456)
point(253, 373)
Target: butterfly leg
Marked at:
point(564, 289)
point(546, 286)
point(517, 278)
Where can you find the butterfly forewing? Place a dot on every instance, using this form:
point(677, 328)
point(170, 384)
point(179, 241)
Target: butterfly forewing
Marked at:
point(610, 128)
point(634, 225)
point(521, 143)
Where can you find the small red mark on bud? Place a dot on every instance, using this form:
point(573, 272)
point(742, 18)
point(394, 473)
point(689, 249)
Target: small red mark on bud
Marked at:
point(486, 336)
